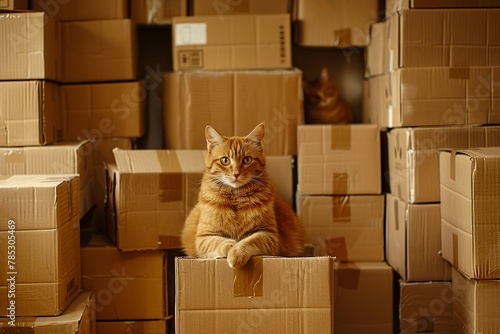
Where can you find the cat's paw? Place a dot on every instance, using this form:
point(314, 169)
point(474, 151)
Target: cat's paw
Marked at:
point(237, 258)
point(225, 247)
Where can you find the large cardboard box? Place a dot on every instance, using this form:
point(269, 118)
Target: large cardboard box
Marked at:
point(413, 240)
point(29, 112)
point(334, 23)
point(132, 326)
point(470, 208)
point(234, 102)
point(425, 307)
point(228, 7)
point(414, 158)
point(98, 50)
point(351, 228)
point(393, 6)
point(103, 110)
point(266, 296)
point(59, 158)
point(82, 10)
point(30, 46)
point(127, 285)
point(339, 159)
point(77, 319)
point(364, 298)
point(157, 11)
point(238, 42)
point(454, 38)
point(475, 304)
point(39, 229)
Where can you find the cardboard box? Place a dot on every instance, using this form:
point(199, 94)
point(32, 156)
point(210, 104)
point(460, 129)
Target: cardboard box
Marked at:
point(77, 319)
point(238, 42)
point(281, 172)
point(363, 298)
point(454, 38)
point(228, 7)
point(339, 159)
point(103, 110)
point(376, 100)
point(132, 326)
point(98, 50)
point(234, 102)
point(40, 231)
point(425, 307)
point(157, 11)
point(413, 242)
point(351, 228)
point(474, 304)
point(376, 58)
point(59, 158)
point(470, 207)
point(30, 46)
point(414, 158)
point(14, 4)
point(275, 285)
point(30, 113)
point(334, 23)
point(82, 10)
point(393, 6)
point(127, 285)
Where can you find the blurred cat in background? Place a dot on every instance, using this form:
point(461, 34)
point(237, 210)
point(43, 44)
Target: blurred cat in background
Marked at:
point(238, 214)
point(323, 103)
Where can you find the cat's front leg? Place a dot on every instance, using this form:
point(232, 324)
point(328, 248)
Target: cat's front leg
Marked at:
point(213, 246)
point(259, 243)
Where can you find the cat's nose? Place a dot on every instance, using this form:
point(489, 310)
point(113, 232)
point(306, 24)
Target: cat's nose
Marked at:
point(236, 173)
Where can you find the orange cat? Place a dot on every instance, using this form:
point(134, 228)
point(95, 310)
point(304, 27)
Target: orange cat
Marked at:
point(238, 214)
point(323, 104)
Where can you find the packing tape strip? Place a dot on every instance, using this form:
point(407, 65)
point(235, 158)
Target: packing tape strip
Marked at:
point(170, 185)
point(455, 250)
point(341, 207)
point(348, 278)
point(343, 37)
point(340, 183)
point(249, 280)
point(340, 138)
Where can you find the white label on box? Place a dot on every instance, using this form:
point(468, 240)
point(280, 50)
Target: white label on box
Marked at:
point(190, 34)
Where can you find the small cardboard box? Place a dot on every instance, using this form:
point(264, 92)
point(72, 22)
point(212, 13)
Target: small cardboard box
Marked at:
point(82, 10)
point(470, 207)
point(238, 42)
point(393, 6)
point(413, 240)
point(475, 304)
point(29, 112)
point(103, 110)
point(425, 307)
point(30, 46)
point(339, 23)
point(351, 228)
point(157, 11)
point(127, 285)
point(339, 159)
point(228, 7)
point(98, 50)
point(266, 296)
point(41, 234)
point(364, 298)
point(234, 102)
point(59, 158)
point(132, 326)
point(77, 319)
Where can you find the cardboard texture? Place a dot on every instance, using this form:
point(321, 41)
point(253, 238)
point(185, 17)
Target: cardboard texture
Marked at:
point(234, 102)
point(29, 113)
point(103, 110)
point(59, 158)
point(414, 158)
point(98, 50)
point(454, 38)
point(157, 11)
point(77, 319)
point(363, 298)
point(281, 171)
point(82, 10)
point(393, 6)
point(351, 228)
point(413, 240)
point(14, 4)
point(128, 285)
point(475, 304)
point(334, 23)
point(40, 212)
point(29, 46)
point(132, 326)
point(228, 7)
point(376, 100)
point(470, 207)
point(339, 159)
point(376, 52)
point(425, 307)
point(276, 287)
point(238, 42)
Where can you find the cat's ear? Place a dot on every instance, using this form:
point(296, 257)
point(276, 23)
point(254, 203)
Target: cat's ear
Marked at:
point(212, 137)
point(257, 134)
point(324, 76)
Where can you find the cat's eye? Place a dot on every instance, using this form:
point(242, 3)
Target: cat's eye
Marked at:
point(247, 160)
point(225, 161)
